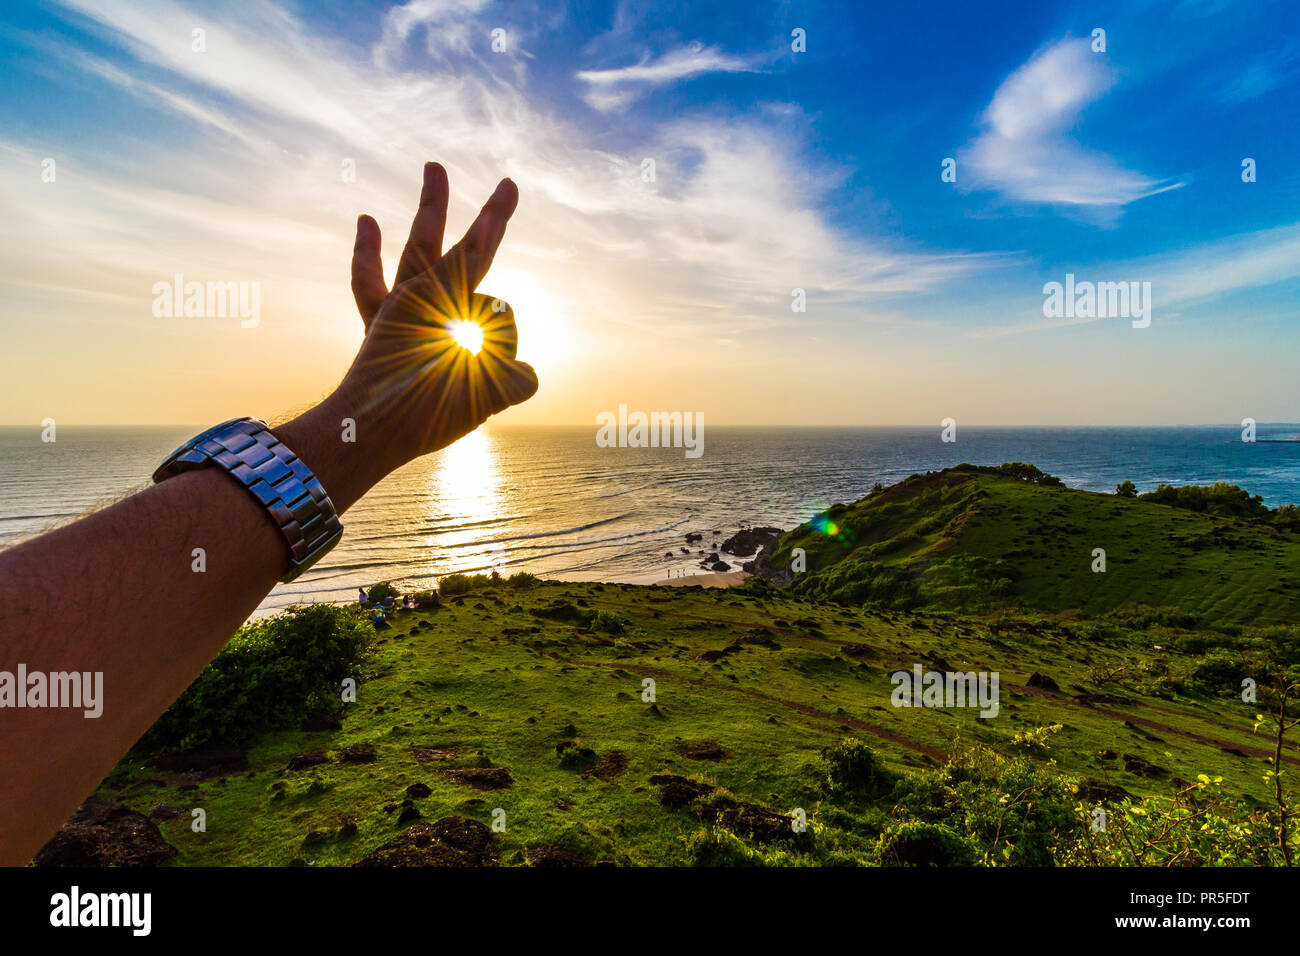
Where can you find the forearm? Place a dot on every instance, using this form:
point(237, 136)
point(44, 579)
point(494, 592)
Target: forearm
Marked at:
point(117, 593)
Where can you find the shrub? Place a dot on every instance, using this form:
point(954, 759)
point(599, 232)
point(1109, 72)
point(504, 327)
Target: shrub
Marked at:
point(1218, 672)
point(1143, 617)
point(575, 756)
point(454, 584)
point(921, 843)
point(1287, 518)
point(522, 579)
point(856, 581)
point(608, 622)
point(1198, 826)
point(273, 673)
point(1126, 489)
point(1010, 811)
point(1221, 498)
point(561, 611)
point(853, 768)
point(1023, 471)
point(718, 846)
point(381, 592)
point(1036, 740)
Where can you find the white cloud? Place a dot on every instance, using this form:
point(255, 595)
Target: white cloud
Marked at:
point(232, 172)
point(1186, 278)
point(1025, 150)
point(616, 88)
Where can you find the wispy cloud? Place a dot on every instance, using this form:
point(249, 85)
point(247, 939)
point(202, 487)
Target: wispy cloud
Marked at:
point(1187, 278)
point(1258, 76)
point(722, 224)
point(616, 88)
point(1025, 150)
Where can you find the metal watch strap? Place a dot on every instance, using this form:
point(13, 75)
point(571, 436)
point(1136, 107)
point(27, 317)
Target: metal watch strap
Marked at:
point(272, 473)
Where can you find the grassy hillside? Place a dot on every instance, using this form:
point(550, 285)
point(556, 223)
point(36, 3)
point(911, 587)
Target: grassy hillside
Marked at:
point(540, 723)
point(975, 538)
point(531, 700)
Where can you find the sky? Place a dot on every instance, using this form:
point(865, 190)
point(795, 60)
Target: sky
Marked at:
point(688, 179)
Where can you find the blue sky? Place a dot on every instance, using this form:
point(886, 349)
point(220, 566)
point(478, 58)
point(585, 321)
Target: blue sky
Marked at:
point(774, 170)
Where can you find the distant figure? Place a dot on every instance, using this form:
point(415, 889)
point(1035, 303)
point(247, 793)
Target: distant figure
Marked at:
point(361, 595)
point(410, 603)
point(388, 603)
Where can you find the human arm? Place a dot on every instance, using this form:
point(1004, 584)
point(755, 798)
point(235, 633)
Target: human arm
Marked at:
point(115, 591)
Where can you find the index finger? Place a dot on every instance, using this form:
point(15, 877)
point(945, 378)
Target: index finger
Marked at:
point(467, 262)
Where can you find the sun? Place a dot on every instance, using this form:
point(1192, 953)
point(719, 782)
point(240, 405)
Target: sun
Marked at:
point(543, 325)
point(468, 335)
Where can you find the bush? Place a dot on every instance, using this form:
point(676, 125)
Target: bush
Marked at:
point(1221, 499)
point(1198, 826)
point(1023, 471)
point(920, 843)
point(1287, 518)
point(608, 622)
point(522, 579)
point(1126, 489)
point(575, 756)
point(853, 768)
point(1218, 672)
point(1010, 811)
point(1036, 740)
point(273, 673)
point(562, 611)
point(454, 584)
point(718, 846)
point(381, 592)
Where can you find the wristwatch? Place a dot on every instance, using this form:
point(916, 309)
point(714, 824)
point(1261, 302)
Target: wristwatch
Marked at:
point(275, 476)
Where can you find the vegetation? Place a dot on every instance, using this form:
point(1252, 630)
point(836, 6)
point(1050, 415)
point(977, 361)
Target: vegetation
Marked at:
point(1145, 711)
point(272, 674)
point(982, 539)
point(381, 592)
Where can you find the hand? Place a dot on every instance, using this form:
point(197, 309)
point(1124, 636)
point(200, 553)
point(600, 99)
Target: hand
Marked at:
point(411, 381)
point(412, 389)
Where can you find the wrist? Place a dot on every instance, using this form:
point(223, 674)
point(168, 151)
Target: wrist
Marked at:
point(346, 457)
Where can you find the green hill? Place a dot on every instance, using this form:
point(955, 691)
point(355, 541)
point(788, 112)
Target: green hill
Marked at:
point(526, 722)
point(972, 537)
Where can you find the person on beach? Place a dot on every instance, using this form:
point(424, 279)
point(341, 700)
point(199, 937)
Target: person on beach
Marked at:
point(263, 502)
point(361, 595)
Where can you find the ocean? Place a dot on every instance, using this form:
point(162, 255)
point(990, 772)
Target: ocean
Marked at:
point(549, 501)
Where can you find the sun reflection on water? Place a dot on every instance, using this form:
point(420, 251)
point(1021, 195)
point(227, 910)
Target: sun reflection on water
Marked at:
point(466, 499)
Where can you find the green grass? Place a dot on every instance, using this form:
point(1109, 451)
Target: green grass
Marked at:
point(500, 686)
point(973, 539)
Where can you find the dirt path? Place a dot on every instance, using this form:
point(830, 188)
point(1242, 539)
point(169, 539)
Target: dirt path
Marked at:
point(888, 657)
point(837, 719)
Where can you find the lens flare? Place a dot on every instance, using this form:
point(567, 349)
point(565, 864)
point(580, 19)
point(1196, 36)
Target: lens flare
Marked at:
point(468, 335)
point(825, 525)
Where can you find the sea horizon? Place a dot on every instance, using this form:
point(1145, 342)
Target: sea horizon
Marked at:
point(547, 500)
